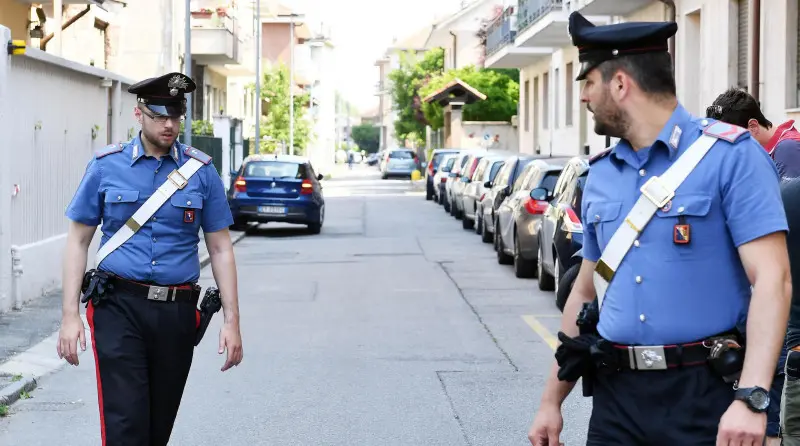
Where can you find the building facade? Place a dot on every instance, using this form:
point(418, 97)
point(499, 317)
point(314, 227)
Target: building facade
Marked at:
point(719, 44)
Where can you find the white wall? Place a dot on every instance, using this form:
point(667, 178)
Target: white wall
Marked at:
point(490, 135)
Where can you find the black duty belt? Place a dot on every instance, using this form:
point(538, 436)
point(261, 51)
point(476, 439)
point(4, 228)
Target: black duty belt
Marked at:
point(171, 293)
point(661, 357)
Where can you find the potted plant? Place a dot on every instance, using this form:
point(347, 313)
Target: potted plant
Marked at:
point(222, 11)
point(202, 13)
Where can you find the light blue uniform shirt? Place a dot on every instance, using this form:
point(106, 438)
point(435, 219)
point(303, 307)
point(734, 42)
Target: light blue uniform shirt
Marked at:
point(164, 251)
point(663, 292)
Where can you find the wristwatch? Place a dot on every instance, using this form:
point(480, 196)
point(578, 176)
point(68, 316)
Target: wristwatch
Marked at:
point(756, 398)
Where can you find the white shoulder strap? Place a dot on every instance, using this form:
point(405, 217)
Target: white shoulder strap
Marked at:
point(176, 180)
point(656, 193)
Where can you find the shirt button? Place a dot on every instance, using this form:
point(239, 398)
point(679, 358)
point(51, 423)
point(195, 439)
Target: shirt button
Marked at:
point(638, 279)
point(154, 239)
point(636, 243)
point(188, 203)
point(642, 172)
point(596, 218)
point(154, 262)
point(119, 197)
point(642, 318)
point(156, 170)
point(681, 209)
point(154, 219)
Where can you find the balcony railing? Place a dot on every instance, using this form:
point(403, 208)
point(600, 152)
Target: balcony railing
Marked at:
point(502, 31)
point(530, 11)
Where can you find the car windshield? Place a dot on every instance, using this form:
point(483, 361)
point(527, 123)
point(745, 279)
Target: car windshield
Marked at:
point(401, 155)
point(495, 168)
point(273, 169)
point(437, 159)
point(521, 166)
point(549, 181)
point(449, 163)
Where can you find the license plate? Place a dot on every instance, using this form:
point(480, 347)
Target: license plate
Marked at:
point(271, 210)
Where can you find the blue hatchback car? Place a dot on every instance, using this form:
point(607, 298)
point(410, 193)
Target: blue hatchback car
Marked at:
point(277, 188)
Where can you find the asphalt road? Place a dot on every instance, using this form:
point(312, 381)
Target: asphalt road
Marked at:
point(392, 327)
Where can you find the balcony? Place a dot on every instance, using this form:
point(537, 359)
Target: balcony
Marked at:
point(215, 41)
point(500, 49)
point(543, 23)
point(609, 7)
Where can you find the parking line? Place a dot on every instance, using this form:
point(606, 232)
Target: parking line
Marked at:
point(541, 330)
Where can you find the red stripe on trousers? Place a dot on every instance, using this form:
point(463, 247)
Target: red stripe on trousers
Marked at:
point(90, 319)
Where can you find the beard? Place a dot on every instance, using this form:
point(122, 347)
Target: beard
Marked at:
point(609, 119)
point(162, 139)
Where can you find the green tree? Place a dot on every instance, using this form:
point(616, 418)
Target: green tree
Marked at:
point(501, 90)
point(407, 81)
point(367, 136)
point(275, 125)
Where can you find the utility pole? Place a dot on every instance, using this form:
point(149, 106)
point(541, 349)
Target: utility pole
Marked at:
point(258, 77)
point(291, 88)
point(187, 66)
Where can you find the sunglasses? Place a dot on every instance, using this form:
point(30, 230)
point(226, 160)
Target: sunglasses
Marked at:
point(161, 119)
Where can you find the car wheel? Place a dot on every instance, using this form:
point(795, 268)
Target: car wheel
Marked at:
point(466, 223)
point(316, 227)
point(384, 176)
point(502, 257)
point(429, 195)
point(523, 268)
point(239, 224)
point(545, 279)
point(486, 236)
point(564, 286)
point(478, 223)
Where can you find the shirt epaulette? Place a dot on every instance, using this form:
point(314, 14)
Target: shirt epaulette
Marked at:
point(725, 131)
point(197, 154)
point(600, 156)
point(108, 150)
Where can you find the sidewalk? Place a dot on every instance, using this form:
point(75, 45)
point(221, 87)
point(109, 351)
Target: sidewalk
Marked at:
point(28, 340)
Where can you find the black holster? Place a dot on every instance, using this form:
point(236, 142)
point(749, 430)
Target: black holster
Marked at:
point(210, 304)
point(580, 357)
point(96, 287)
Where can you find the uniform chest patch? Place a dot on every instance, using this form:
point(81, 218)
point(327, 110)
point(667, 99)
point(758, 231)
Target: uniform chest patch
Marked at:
point(188, 216)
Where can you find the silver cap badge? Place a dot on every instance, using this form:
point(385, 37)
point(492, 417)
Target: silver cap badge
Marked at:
point(175, 83)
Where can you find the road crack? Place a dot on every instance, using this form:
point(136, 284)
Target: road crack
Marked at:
point(477, 315)
point(453, 406)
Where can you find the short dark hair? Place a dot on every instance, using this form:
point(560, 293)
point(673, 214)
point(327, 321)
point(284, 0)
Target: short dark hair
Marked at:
point(736, 106)
point(651, 71)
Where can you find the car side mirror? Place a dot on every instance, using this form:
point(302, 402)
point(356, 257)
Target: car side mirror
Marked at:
point(465, 179)
point(234, 173)
point(487, 184)
point(445, 169)
point(507, 190)
point(320, 177)
point(540, 194)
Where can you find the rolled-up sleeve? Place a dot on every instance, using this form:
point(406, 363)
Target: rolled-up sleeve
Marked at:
point(751, 196)
point(216, 210)
point(87, 204)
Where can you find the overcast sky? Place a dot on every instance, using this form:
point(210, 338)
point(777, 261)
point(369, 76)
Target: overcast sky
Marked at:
point(362, 30)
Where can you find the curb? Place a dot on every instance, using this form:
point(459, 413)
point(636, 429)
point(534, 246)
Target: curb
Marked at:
point(11, 393)
point(44, 366)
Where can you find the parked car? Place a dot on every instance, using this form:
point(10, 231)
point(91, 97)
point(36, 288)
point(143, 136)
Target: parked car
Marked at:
point(458, 187)
point(433, 167)
point(498, 190)
point(400, 162)
point(440, 178)
point(476, 188)
point(277, 188)
point(519, 217)
point(561, 235)
point(453, 177)
point(565, 283)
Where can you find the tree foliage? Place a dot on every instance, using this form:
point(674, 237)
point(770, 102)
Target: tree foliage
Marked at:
point(275, 126)
point(499, 86)
point(367, 137)
point(406, 82)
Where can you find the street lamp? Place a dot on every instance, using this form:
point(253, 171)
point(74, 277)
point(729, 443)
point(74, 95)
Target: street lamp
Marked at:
point(258, 77)
point(187, 66)
point(292, 21)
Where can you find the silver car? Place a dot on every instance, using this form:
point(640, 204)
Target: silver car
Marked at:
point(470, 165)
point(485, 173)
point(440, 177)
point(400, 162)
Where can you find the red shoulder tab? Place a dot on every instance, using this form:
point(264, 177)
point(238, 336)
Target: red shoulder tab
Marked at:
point(197, 154)
point(599, 156)
point(723, 130)
point(108, 150)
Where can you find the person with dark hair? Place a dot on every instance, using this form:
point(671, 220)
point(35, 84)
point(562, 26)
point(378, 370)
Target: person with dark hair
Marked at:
point(671, 264)
point(790, 399)
point(738, 107)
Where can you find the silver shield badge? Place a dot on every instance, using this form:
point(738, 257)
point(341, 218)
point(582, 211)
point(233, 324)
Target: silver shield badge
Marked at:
point(175, 83)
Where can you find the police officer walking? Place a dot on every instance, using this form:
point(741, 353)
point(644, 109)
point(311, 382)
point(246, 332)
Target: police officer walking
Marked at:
point(152, 195)
point(681, 217)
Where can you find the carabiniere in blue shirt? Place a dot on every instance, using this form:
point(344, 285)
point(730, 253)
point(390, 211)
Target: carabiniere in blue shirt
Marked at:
point(663, 292)
point(119, 179)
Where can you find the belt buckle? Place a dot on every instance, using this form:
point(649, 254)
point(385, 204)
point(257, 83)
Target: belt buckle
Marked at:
point(180, 182)
point(647, 357)
point(668, 194)
point(159, 293)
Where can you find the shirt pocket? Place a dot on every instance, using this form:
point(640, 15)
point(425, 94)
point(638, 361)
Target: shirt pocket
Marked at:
point(684, 209)
point(120, 205)
point(188, 209)
point(604, 215)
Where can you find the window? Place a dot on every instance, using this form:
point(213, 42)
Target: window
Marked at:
point(495, 169)
point(274, 169)
point(549, 181)
point(578, 197)
point(401, 155)
point(520, 167)
point(569, 83)
point(556, 89)
point(522, 179)
point(478, 175)
point(743, 34)
point(526, 103)
point(545, 101)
